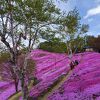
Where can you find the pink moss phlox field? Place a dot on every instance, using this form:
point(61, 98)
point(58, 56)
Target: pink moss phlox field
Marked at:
point(7, 93)
point(84, 82)
point(6, 89)
point(49, 68)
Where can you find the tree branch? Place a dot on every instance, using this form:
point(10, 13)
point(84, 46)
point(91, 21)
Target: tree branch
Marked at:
point(3, 39)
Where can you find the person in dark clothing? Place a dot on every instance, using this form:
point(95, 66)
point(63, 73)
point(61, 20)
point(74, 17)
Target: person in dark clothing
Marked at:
point(76, 62)
point(73, 64)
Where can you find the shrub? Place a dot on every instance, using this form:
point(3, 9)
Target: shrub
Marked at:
point(4, 56)
point(59, 47)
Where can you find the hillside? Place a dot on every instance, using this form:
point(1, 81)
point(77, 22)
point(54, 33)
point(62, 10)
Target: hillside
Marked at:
point(82, 84)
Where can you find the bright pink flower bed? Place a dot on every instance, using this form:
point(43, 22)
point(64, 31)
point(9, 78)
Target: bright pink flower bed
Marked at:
point(49, 66)
point(84, 82)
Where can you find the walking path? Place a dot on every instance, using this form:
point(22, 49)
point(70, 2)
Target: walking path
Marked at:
point(0, 78)
point(56, 86)
point(44, 97)
point(18, 95)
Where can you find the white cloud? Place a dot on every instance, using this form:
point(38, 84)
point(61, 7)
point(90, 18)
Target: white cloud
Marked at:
point(92, 12)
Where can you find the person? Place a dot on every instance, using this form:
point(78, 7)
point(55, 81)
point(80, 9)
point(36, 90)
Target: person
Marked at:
point(73, 64)
point(76, 62)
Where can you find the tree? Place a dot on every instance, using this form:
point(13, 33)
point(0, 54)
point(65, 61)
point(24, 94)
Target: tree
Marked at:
point(78, 44)
point(53, 45)
point(93, 42)
point(6, 70)
point(72, 30)
point(24, 20)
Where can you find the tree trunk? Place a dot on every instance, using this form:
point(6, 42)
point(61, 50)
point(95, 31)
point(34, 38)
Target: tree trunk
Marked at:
point(16, 85)
point(24, 87)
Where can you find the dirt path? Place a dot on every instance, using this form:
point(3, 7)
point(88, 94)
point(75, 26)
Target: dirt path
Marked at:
point(57, 86)
point(18, 95)
point(0, 78)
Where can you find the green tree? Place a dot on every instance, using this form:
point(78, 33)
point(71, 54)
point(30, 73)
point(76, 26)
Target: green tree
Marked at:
point(25, 20)
point(53, 45)
point(73, 31)
point(93, 42)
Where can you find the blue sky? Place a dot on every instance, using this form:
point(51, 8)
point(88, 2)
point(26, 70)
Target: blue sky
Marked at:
point(89, 11)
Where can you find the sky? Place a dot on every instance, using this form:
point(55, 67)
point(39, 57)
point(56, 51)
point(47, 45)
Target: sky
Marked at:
point(89, 11)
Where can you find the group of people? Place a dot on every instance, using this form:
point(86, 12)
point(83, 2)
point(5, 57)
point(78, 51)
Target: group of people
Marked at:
point(73, 64)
